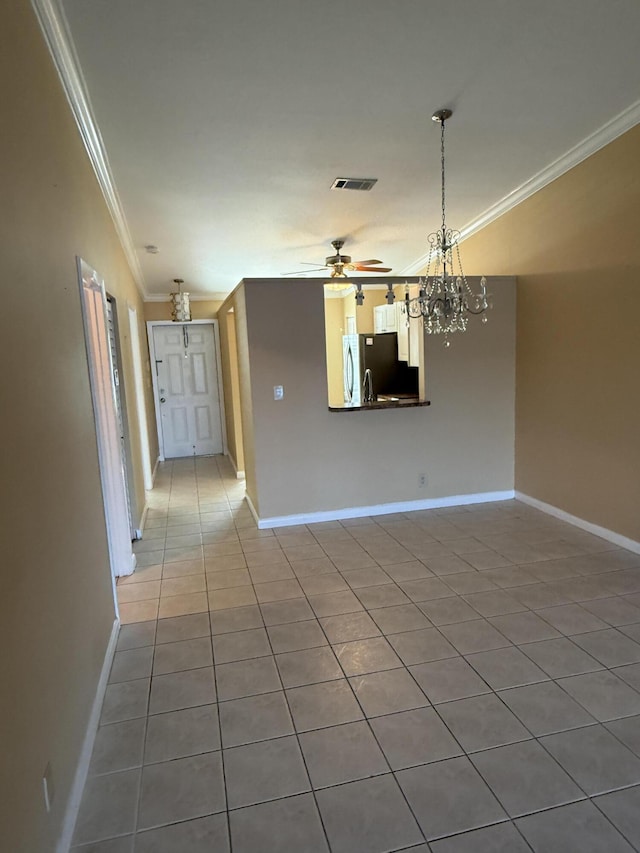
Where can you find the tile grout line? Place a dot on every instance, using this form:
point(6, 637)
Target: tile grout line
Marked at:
point(217, 695)
point(367, 720)
point(146, 732)
point(293, 725)
point(405, 666)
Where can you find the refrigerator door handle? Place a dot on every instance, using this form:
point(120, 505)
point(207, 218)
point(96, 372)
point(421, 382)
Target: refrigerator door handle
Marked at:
point(349, 375)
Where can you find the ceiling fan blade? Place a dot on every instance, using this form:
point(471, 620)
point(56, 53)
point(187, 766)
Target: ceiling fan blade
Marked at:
point(366, 263)
point(303, 272)
point(360, 268)
point(313, 264)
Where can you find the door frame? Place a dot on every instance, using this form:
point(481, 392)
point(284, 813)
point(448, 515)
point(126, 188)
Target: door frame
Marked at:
point(151, 324)
point(121, 395)
point(145, 451)
point(111, 464)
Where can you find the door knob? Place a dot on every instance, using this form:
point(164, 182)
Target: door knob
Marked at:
point(162, 400)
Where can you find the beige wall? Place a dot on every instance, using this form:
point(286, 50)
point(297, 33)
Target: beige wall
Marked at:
point(334, 329)
point(57, 605)
point(237, 301)
point(201, 309)
point(231, 386)
point(574, 247)
point(308, 459)
point(350, 309)
point(363, 313)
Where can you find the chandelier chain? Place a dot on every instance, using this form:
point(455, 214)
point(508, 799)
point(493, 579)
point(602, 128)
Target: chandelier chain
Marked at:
point(442, 177)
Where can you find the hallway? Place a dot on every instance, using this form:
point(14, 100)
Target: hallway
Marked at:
point(453, 680)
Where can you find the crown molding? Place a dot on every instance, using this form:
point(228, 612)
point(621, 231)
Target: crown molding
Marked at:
point(614, 128)
point(55, 29)
point(193, 297)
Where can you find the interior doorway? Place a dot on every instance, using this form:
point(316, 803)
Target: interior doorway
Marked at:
point(108, 432)
point(185, 363)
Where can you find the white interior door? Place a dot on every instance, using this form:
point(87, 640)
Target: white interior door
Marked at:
point(107, 430)
point(188, 391)
point(112, 336)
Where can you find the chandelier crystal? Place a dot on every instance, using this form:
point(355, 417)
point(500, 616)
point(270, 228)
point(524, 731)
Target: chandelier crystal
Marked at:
point(445, 300)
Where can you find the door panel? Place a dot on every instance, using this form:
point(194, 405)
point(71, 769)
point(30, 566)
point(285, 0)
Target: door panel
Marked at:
point(203, 423)
point(179, 424)
point(190, 414)
point(176, 375)
point(199, 374)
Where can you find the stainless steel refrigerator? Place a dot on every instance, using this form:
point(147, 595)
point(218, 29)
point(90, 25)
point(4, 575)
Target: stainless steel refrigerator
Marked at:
point(379, 354)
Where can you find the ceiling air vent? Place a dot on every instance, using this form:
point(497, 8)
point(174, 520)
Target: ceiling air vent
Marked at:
point(353, 183)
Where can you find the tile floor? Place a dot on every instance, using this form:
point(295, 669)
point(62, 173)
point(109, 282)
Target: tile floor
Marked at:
point(452, 680)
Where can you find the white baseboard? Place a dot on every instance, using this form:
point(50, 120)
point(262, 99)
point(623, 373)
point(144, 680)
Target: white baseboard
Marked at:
point(253, 510)
point(82, 768)
point(379, 509)
point(602, 532)
point(143, 518)
point(239, 474)
point(155, 471)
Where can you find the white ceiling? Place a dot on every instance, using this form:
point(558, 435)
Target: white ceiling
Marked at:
point(226, 121)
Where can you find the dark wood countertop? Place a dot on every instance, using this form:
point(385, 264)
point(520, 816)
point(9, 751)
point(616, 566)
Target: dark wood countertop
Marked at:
point(402, 403)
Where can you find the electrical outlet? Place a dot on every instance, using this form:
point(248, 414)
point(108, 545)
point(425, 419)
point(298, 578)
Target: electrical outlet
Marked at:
point(422, 481)
point(278, 392)
point(47, 786)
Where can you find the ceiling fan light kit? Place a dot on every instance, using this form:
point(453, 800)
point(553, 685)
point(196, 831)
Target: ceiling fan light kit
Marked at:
point(445, 300)
point(339, 264)
point(338, 286)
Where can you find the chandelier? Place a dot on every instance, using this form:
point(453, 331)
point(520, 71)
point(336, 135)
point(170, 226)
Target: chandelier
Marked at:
point(445, 300)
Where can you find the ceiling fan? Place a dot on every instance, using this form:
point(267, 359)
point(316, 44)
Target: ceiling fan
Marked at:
point(339, 264)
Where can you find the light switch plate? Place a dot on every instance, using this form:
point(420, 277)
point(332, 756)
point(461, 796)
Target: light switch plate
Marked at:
point(278, 392)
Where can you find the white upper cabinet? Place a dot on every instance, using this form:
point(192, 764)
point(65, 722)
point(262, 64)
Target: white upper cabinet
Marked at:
point(384, 319)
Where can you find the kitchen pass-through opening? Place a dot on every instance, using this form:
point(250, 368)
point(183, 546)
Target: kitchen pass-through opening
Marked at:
point(374, 353)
